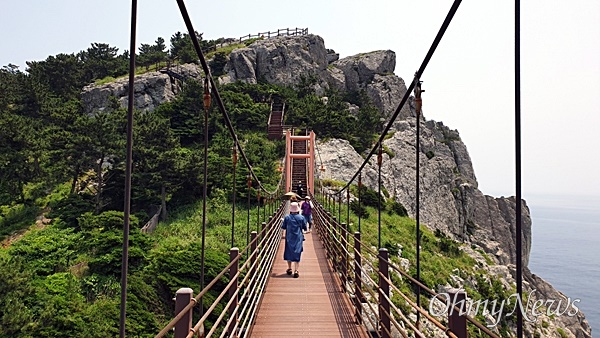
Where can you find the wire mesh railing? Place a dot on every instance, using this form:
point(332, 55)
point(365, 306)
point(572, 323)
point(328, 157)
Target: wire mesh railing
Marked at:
point(366, 277)
point(247, 274)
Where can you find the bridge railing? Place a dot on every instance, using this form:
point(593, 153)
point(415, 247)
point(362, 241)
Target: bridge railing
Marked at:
point(365, 276)
point(248, 273)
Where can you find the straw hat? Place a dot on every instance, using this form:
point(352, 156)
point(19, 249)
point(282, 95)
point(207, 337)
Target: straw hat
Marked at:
point(294, 207)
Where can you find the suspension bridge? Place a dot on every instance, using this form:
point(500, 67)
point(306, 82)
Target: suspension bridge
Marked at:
point(345, 286)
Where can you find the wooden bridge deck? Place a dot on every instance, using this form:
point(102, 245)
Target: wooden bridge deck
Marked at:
point(309, 306)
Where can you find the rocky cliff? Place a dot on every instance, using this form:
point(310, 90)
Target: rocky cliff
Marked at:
point(449, 198)
point(150, 89)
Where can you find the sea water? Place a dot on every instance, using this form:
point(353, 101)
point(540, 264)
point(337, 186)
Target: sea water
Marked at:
point(565, 249)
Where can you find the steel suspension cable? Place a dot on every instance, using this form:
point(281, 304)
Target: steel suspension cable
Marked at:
point(234, 159)
point(128, 161)
point(519, 263)
point(206, 102)
point(215, 91)
point(418, 103)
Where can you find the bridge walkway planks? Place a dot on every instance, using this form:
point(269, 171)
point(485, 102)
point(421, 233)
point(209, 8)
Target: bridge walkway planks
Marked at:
point(309, 306)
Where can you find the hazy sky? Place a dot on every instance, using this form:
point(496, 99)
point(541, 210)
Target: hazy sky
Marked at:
point(469, 82)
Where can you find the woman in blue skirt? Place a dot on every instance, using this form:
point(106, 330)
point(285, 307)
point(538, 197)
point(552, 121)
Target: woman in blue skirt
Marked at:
point(293, 224)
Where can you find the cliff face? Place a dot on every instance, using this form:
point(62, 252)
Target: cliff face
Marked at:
point(449, 198)
point(150, 89)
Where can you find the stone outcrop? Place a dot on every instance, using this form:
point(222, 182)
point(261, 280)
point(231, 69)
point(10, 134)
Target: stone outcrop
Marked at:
point(291, 60)
point(150, 89)
point(283, 61)
point(280, 60)
point(360, 69)
point(449, 198)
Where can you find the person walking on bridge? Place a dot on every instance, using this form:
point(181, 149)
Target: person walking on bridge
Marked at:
point(300, 189)
point(307, 212)
point(293, 224)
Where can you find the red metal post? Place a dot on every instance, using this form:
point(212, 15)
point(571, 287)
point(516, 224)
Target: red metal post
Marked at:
point(183, 297)
point(233, 315)
point(253, 253)
point(456, 322)
point(384, 293)
point(288, 161)
point(358, 298)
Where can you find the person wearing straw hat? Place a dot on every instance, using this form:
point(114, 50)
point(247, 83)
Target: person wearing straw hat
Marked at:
point(293, 224)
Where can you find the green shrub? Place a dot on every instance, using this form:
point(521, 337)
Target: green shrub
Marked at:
point(69, 209)
point(97, 286)
point(47, 251)
point(370, 197)
point(111, 219)
point(217, 64)
point(359, 210)
point(15, 218)
point(392, 248)
point(397, 208)
point(446, 245)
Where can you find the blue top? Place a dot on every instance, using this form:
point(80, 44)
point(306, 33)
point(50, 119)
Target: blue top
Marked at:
point(294, 238)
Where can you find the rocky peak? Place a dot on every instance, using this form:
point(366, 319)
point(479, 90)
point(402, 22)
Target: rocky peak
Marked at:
point(359, 70)
point(280, 60)
point(291, 60)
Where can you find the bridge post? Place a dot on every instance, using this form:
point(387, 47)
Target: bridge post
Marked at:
point(358, 297)
point(336, 249)
point(263, 231)
point(384, 294)
point(183, 297)
point(327, 234)
point(253, 254)
point(457, 323)
point(233, 314)
point(344, 248)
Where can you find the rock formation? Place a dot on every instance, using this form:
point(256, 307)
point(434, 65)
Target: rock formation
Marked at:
point(150, 89)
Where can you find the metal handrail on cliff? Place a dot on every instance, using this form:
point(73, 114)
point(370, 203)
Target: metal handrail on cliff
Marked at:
point(279, 32)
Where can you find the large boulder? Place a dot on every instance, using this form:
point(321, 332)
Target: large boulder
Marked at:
point(150, 89)
point(373, 73)
point(360, 69)
point(281, 61)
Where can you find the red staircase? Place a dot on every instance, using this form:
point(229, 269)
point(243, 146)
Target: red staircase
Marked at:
point(275, 126)
point(299, 165)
